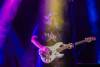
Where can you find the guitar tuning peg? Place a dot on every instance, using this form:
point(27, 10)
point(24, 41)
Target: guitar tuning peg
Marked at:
point(89, 39)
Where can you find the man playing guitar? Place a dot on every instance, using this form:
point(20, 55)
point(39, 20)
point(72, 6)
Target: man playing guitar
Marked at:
point(50, 54)
point(50, 36)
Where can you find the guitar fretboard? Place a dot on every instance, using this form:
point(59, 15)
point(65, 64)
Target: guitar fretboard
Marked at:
point(79, 42)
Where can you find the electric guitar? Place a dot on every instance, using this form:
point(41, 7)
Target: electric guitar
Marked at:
point(59, 47)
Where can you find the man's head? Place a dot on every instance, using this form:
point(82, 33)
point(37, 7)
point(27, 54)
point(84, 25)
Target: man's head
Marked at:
point(50, 18)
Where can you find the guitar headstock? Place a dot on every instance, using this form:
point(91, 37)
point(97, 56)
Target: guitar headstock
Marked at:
point(90, 39)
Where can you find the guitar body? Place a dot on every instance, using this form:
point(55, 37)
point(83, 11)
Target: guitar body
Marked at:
point(54, 53)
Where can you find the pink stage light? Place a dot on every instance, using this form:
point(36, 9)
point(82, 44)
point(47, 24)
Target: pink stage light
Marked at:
point(7, 13)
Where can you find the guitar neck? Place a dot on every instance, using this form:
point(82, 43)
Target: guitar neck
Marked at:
point(79, 42)
point(65, 47)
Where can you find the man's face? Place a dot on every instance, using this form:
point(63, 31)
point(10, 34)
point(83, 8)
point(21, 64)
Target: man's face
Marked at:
point(49, 18)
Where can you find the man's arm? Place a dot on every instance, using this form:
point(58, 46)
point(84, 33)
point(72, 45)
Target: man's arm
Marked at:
point(43, 50)
point(40, 46)
point(35, 42)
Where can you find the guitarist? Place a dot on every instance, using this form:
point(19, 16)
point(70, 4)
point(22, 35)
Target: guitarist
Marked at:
point(49, 35)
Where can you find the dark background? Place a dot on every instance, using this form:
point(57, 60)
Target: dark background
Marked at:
point(19, 51)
